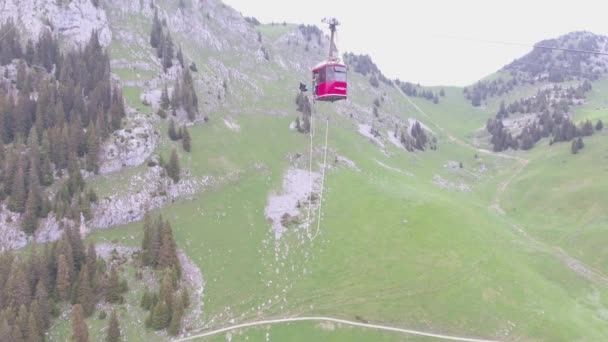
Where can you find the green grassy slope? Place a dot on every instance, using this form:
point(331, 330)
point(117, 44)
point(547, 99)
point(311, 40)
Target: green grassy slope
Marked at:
point(393, 248)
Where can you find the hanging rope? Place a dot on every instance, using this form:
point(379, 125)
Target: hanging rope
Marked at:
point(310, 131)
point(322, 180)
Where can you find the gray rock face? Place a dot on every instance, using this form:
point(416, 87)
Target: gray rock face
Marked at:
point(128, 147)
point(149, 190)
point(11, 236)
point(74, 21)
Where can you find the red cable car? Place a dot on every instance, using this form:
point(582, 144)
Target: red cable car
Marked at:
point(329, 81)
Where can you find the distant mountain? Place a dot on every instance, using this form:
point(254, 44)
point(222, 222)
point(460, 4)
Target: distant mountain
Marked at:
point(543, 64)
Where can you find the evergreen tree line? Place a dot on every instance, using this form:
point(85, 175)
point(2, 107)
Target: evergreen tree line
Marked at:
point(553, 104)
point(549, 100)
point(163, 43)
point(159, 252)
point(183, 96)
point(172, 168)
point(303, 106)
point(311, 31)
point(417, 139)
point(559, 128)
point(416, 90)
point(54, 122)
point(44, 52)
point(33, 288)
point(181, 134)
point(483, 90)
point(364, 65)
point(577, 145)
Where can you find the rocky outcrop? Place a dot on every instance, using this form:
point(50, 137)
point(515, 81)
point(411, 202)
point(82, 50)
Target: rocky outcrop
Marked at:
point(11, 236)
point(149, 190)
point(128, 147)
point(283, 208)
point(74, 20)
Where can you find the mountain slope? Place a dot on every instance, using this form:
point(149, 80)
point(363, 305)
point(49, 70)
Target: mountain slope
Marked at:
point(406, 238)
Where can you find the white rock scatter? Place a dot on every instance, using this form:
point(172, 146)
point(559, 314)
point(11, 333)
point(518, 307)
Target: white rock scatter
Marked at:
point(128, 147)
point(232, 125)
point(193, 278)
point(446, 184)
point(366, 131)
point(342, 160)
point(296, 190)
point(394, 140)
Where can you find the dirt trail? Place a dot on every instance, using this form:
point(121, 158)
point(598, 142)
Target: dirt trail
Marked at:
point(333, 320)
point(580, 268)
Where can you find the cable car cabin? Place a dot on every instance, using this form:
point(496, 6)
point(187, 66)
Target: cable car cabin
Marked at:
point(329, 82)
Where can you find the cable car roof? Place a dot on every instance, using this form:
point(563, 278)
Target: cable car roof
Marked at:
point(326, 64)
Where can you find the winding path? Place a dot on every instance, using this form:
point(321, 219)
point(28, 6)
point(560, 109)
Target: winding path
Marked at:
point(577, 266)
point(333, 320)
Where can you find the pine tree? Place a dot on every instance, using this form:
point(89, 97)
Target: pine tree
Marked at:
point(574, 147)
point(156, 241)
point(63, 278)
point(599, 125)
point(5, 331)
point(113, 287)
point(85, 292)
point(91, 262)
point(18, 191)
point(92, 146)
point(117, 109)
point(166, 290)
point(173, 169)
point(113, 334)
point(177, 313)
point(18, 291)
point(164, 98)
point(180, 57)
point(78, 250)
point(156, 31)
point(185, 298)
point(167, 53)
point(146, 243)
point(172, 131)
point(22, 321)
point(160, 317)
point(33, 330)
point(30, 218)
point(21, 76)
point(47, 171)
point(186, 140)
point(80, 331)
point(145, 302)
point(36, 317)
point(42, 299)
point(168, 250)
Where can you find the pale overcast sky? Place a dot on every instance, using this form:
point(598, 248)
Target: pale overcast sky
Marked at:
point(410, 39)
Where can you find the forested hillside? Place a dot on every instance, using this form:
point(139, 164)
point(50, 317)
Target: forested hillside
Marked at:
point(172, 139)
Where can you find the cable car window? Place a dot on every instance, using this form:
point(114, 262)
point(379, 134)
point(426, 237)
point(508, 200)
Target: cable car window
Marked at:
point(321, 76)
point(339, 73)
point(330, 73)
